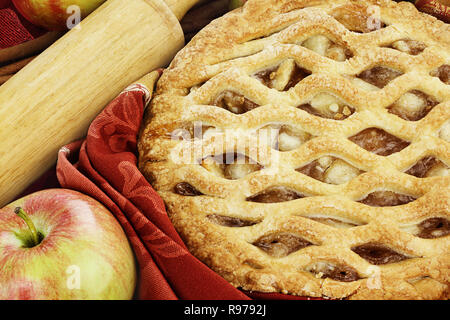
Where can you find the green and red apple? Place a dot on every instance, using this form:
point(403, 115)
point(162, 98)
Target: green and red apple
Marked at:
point(59, 244)
point(53, 14)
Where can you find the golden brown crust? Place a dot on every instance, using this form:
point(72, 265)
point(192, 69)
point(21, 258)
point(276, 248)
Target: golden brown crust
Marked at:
point(261, 35)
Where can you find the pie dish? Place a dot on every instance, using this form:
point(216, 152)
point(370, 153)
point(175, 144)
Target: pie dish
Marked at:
point(303, 147)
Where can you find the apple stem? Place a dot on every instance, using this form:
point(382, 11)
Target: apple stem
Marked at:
point(34, 234)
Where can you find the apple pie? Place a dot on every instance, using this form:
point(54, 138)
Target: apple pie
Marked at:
point(303, 147)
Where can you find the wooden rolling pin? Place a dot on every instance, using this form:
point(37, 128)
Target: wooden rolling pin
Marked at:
point(53, 100)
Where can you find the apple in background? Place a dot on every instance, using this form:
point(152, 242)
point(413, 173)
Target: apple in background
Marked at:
point(58, 244)
point(236, 4)
point(52, 14)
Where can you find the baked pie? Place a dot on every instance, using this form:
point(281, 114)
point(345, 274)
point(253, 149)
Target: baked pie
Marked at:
point(303, 147)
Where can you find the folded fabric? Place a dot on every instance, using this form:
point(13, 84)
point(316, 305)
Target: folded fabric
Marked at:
point(14, 29)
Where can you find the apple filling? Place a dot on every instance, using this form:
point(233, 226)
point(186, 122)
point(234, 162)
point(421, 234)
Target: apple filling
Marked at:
point(335, 272)
point(430, 228)
point(231, 166)
point(186, 189)
point(231, 222)
point(379, 76)
point(282, 77)
point(413, 105)
point(386, 199)
point(428, 167)
point(325, 47)
point(281, 244)
point(378, 254)
point(285, 137)
point(379, 141)
point(191, 131)
point(327, 106)
point(330, 170)
point(234, 102)
point(434, 228)
point(290, 138)
point(412, 47)
point(443, 73)
point(334, 222)
point(367, 19)
point(276, 194)
point(444, 133)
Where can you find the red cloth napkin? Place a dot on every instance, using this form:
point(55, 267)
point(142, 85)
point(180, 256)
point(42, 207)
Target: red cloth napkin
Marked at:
point(14, 29)
point(103, 166)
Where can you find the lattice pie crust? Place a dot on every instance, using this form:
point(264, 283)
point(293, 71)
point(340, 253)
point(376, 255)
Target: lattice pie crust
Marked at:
point(321, 166)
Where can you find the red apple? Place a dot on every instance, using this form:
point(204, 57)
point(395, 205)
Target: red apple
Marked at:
point(54, 14)
point(236, 4)
point(59, 244)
